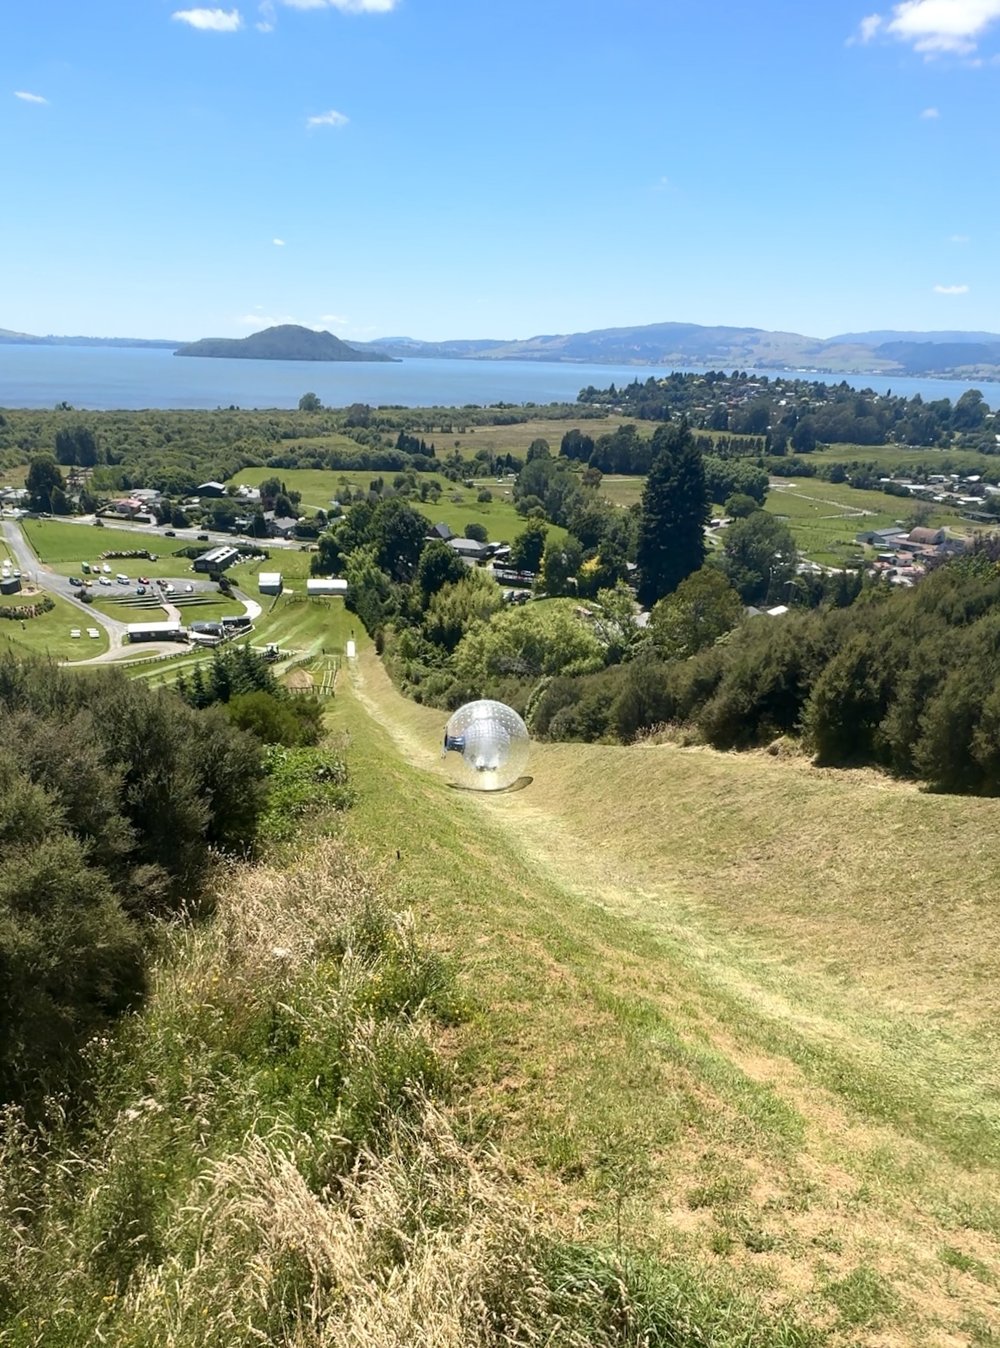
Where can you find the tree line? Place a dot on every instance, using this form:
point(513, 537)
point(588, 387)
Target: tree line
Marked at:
point(798, 414)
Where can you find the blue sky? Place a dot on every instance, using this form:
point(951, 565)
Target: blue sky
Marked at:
point(471, 168)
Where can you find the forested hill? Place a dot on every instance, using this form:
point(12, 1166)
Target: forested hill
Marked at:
point(288, 341)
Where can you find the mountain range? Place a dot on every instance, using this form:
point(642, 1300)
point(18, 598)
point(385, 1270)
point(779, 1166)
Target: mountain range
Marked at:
point(962, 355)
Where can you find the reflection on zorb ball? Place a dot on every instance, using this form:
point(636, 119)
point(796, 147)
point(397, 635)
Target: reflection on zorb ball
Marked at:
point(492, 743)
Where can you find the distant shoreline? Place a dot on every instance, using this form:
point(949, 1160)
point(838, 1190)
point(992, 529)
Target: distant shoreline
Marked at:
point(128, 379)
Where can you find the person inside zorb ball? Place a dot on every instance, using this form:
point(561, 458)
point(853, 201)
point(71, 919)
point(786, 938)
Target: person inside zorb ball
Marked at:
point(492, 743)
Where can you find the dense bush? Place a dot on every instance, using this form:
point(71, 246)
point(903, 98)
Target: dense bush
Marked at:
point(243, 682)
point(110, 808)
point(909, 680)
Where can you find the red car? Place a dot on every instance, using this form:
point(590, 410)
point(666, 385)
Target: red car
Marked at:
point(143, 580)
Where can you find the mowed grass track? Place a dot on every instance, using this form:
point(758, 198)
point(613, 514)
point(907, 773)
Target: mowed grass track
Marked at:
point(745, 1008)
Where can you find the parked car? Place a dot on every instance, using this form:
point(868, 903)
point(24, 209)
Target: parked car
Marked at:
point(203, 538)
point(140, 589)
point(143, 580)
point(169, 533)
point(189, 589)
point(105, 580)
point(75, 580)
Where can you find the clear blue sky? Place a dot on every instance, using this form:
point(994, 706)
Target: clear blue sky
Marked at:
point(471, 168)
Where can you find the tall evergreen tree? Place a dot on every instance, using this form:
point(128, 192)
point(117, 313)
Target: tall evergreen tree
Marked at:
point(674, 513)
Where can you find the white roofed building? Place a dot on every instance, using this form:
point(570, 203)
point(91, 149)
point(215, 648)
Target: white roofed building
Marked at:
point(320, 585)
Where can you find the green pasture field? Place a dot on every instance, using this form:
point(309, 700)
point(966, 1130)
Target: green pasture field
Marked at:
point(516, 439)
point(50, 633)
point(456, 507)
point(824, 517)
point(63, 546)
point(622, 489)
point(893, 458)
point(768, 1058)
point(292, 563)
point(319, 486)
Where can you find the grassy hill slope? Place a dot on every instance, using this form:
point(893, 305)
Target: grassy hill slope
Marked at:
point(738, 1007)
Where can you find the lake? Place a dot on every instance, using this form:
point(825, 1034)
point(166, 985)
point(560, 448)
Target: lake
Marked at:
point(140, 377)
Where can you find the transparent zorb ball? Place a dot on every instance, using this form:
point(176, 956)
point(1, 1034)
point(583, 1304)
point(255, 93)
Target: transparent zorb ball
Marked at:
point(491, 744)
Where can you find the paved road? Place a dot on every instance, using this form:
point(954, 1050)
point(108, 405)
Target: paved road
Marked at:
point(47, 579)
point(189, 535)
point(43, 576)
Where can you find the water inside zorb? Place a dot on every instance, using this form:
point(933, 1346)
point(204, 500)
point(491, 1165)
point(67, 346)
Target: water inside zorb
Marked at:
point(491, 745)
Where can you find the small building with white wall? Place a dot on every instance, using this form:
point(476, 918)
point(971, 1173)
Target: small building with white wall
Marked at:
point(326, 585)
point(269, 582)
point(162, 631)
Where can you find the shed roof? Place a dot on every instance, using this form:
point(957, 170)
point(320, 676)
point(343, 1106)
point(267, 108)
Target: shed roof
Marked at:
point(326, 585)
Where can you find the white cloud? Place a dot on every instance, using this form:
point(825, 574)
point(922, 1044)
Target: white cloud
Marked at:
point(951, 290)
point(336, 320)
point(25, 97)
point(265, 24)
point(261, 320)
point(958, 238)
point(868, 27)
point(331, 118)
point(211, 20)
point(930, 115)
point(934, 27)
point(278, 243)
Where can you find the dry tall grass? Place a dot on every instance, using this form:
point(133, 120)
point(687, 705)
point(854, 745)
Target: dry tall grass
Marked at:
point(272, 1157)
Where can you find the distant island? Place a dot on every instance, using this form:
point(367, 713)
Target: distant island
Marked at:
point(287, 341)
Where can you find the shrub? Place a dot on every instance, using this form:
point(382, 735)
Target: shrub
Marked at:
point(302, 781)
point(70, 958)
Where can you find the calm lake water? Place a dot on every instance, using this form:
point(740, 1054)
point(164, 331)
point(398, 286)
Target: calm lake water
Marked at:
point(138, 377)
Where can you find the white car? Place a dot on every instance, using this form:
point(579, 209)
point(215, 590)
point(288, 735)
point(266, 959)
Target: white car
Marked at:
point(105, 580)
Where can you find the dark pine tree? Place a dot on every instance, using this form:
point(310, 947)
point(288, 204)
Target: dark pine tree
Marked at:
point(674, 513)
